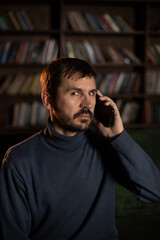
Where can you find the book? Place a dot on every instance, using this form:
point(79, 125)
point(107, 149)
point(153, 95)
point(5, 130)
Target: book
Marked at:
point(111, 22)
point(74, 24)
point(6, 83)
point(90, 52)
point(119, 82)
point(157, 47)
point(130, 112)
point(113, 83)
point(81, 21)
point(103, 23)
point(113, 54)
point(26, 86)
point(32, 52)
point(92, 21)
point(5, 23)
point(123, 86)
point(12, 52)
point(123, 25)
point(105, 83)
point(104, 50)
point(98, 53)
point(36, 86)
point(16, 84)
point(55, 51)
point(82, 52)
point(151, 82)
point(131, 55)
point(44, 52)
point(40, 50)
point(70, 50)
point(27, 19)
point(155, 53)
point(51, 48)
point(5, 52)
point(14, 20)
point(22, 51)
point(131, 79)
point(20, 20)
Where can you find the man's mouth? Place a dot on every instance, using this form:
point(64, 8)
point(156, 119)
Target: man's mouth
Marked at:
point(84, 113)
point(84, 116)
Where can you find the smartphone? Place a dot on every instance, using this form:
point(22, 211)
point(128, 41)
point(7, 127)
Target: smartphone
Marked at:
point(104, 114)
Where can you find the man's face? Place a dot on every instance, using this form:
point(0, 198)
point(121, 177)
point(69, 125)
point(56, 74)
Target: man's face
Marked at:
point(74, 105)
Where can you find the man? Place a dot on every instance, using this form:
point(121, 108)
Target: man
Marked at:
point(60, 183)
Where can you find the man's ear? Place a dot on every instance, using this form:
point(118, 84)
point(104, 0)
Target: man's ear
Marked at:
point(46, 100)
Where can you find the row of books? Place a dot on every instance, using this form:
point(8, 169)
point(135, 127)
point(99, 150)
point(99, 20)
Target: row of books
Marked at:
point(119, 82)
point(16, 20)
point(153, 82)
point(153, 53)
point(87, 21)
point(29, 114)
point(109, 83)
point(129, 110)
point(28, 52)
point(22, 84)
point(95, 53)
point(155, 115)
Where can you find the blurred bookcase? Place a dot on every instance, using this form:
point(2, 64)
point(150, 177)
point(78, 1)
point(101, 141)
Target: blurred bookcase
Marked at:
point(119, 38)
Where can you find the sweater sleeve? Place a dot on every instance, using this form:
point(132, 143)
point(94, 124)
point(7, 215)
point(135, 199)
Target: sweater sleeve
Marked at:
point(136, 170)
point(14, 209)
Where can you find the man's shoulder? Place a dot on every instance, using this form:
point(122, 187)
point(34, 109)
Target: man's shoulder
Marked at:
point(23, 149)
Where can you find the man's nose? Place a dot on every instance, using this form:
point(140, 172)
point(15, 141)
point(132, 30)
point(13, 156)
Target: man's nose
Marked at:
point(86, 102)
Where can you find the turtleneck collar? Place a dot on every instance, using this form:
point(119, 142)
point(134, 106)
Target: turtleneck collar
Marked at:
point(69, 143)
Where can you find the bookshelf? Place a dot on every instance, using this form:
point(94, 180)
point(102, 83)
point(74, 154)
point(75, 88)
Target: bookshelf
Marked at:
point(123, 57)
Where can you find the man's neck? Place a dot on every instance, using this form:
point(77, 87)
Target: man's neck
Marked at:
point(58, 128)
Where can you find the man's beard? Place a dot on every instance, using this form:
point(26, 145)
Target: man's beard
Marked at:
point(69, 124)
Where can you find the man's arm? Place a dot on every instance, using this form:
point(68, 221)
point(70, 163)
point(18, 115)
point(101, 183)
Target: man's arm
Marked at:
point(135, 169)
point(14, 210)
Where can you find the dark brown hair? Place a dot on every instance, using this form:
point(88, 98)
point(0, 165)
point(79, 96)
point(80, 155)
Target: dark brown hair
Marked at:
point(62, 68)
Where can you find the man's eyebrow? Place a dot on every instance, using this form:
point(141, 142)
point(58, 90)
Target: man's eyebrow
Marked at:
point(79, 89)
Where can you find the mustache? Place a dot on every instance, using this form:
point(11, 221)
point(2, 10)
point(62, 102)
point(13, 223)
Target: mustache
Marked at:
point(83, 111)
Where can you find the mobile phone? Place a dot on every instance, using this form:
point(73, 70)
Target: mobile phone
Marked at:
point(104, 114)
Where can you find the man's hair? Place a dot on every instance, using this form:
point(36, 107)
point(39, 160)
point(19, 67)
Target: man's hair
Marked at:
point(61, 69)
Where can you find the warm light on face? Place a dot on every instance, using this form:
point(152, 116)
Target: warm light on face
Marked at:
point(75, 104)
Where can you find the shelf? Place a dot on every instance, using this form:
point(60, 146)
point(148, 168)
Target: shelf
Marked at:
point(141, 15)
point(103, 33)
point(30, 33)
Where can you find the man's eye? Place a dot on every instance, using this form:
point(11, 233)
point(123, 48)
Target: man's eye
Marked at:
point(75, 93)
point(91, 93)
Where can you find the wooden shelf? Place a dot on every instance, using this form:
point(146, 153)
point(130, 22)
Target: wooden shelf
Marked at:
point(140, 14)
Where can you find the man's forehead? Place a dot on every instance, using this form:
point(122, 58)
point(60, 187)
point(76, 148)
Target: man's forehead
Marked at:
point(80, 83)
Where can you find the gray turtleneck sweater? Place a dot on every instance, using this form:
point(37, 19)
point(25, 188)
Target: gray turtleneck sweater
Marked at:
point(54, 187)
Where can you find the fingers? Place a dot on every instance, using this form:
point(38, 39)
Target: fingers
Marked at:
point(107, 101)
point(99, 93)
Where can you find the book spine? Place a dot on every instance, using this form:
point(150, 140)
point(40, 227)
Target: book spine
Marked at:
point(111, 22)
point(14, 20)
